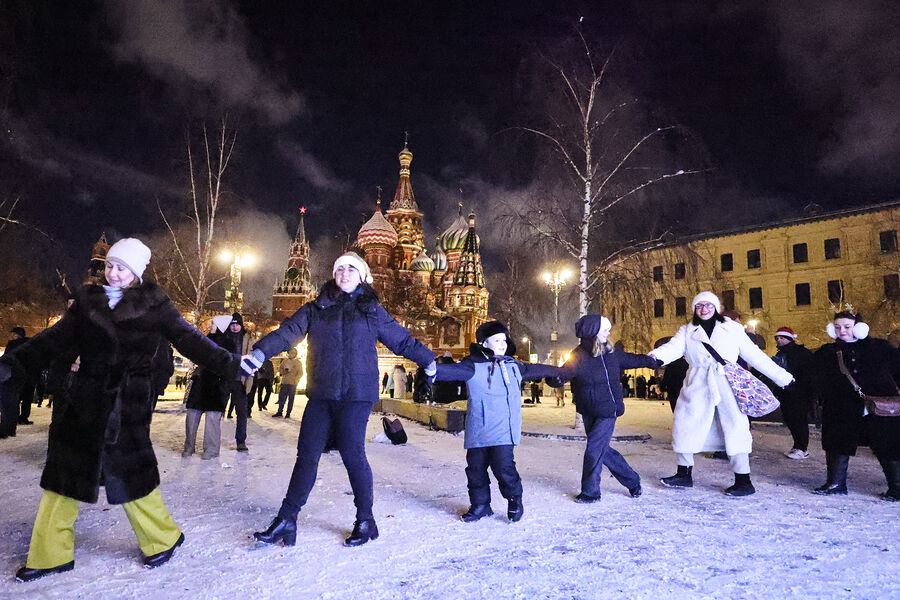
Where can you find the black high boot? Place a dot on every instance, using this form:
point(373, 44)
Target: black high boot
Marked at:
point(683, 478)
point(281, 530)
point(742, 485)
point(836, 482)
point(515, 509)
point(363, 531)
point(475, 512)
point(892, 474)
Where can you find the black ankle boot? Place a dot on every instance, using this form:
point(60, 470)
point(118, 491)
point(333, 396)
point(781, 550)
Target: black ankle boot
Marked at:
point(583, 498)
point(363, 531)
point(892, 474)
point(742, 485)
point(161, 558)
point(477, 511)
point(25, 574)
point(515, 509)
point(281, 530)
point(683, 478)
point(836, 482)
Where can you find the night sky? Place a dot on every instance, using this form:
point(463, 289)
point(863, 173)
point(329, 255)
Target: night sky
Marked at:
point(785, 105)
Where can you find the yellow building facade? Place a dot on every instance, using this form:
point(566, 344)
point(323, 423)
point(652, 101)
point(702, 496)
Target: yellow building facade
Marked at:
point(794, 273)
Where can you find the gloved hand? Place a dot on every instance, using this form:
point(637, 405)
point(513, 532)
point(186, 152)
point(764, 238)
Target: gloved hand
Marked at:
point(251, 362)
point(431, 369)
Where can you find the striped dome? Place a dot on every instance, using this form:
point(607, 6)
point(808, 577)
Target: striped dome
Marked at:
point(439, 258)
point(454, 236)
point(422, 263)
point(377, 230)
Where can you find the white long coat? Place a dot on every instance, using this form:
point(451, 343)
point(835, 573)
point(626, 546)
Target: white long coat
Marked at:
point(705, 388)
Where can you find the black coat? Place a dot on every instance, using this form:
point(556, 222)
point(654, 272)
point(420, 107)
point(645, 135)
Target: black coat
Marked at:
point(875, 364)
point(797, 360)
point(209, 391)
point(343, 329)
point(596, 380)
point(102, 435)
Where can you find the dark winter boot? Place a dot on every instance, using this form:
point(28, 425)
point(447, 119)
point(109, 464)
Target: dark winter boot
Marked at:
point(475, 512)
point(281, 530)
point(892, 474)
point(836, 482)
point(160, 558)
point(585, 499)
point(636, 491)
point(515, 509)
point(742, 486)
point(363, 531)
point(25, 574)
point(683, 478)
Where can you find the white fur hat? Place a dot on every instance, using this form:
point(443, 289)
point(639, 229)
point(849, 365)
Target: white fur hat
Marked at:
point(132, 253)
point(354, 260)
point(706, 297)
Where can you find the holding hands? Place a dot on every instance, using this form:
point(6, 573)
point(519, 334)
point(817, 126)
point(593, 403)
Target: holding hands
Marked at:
point(250, 363)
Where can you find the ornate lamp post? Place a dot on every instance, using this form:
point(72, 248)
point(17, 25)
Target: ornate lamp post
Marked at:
point(234, 297)
point(556, 280)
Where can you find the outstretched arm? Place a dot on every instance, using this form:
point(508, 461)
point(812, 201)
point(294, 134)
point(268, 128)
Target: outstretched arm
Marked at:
point(400, 341)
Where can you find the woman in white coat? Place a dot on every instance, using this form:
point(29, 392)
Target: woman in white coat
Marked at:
point(707, 418)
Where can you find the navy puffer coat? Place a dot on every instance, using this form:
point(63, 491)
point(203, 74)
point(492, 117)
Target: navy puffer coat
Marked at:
point(343, 330)
point(596, 389)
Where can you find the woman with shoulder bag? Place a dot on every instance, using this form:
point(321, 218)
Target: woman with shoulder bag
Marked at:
point(873, 365)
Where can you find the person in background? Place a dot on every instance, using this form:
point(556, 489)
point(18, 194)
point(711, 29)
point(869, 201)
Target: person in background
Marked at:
point(262, 383)
point(673, 379)
point(13, 392)
point(237, 340)
point(206, 397)
point(103, 436)
point(796, 399)
point(847, 422)
point(290, 370)
point(707, 417)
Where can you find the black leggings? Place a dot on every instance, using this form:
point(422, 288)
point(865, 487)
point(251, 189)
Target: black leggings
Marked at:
point(344, 423)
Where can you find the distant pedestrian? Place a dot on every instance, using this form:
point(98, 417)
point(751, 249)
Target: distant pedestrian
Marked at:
point(262, 384)
point(399, 382)
point(673, 379)
point(16, 393)
point(290, 370)
point(237, 340)
point(796, 399)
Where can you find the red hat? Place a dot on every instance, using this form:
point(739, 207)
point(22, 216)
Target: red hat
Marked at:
point(786, 332)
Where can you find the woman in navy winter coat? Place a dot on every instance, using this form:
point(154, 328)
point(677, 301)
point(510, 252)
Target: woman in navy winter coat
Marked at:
point(595, 369)
point(343, 326)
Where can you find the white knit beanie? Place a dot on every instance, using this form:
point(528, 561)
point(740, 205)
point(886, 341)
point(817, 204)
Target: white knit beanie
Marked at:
point(132, 253)
point(706, 297)
point(354, 260)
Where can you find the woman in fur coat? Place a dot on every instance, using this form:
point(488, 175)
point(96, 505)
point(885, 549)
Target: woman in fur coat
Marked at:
point(102, 436)
point(707, 418)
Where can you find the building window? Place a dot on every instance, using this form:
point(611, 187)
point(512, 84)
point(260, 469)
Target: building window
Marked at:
point(801, 255)
point(832, 248)
point(727, 262)
point(680, 306)
point(835, 291)
point(888, 240)
point(892, 286)
point(801, 293)
point(658, 273)
point(756, 298)
point(728, 300)
point(658, 309)
point(753, 261)
point(679, 271)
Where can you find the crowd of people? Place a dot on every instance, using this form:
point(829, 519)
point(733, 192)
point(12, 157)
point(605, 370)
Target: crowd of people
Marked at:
point(116, 332)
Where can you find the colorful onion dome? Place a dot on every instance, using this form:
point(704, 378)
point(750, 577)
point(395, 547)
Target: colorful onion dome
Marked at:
point(377, 230)
point(439, 258)
point(422, 263)
point(454, 236)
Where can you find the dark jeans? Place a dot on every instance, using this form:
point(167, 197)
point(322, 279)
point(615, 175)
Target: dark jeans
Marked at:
point(9, 408)
point(286, 394)
point(795, 414)
point(260, 386)
point(502, 463)
point(26, 396)
point(240, 403)
point(598, 454)
point(344, 423)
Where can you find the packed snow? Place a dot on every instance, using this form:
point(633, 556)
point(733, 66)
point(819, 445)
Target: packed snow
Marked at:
point(783, 542)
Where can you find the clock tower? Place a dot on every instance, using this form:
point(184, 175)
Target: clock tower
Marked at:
point(296, 288)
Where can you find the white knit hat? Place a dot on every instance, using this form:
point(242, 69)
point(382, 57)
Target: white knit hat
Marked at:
point(706, 297)
point(354, 260)
point(132, 253)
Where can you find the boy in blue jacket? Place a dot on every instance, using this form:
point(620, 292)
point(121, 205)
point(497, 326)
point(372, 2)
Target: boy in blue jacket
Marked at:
point(494, 417)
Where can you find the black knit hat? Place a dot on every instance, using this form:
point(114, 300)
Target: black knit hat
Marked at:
point(237, 318)
point(19, 331)
point(486, 330)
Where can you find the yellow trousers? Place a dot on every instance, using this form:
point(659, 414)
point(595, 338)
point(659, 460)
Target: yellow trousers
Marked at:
point(53, 536)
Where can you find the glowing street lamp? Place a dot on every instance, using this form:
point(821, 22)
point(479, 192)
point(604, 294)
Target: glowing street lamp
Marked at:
point(234, 297)
point(527, 340)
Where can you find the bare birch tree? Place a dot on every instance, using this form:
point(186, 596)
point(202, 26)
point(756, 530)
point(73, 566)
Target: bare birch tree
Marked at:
point(187, 273)
point(604, 168)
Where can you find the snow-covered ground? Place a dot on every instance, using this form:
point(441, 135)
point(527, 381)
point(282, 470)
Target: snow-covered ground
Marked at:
point(782, 542)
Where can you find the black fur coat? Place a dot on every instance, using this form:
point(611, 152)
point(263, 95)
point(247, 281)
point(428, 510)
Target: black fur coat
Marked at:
point(102, 436)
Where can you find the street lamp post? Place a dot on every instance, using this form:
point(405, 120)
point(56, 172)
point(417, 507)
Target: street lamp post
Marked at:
point(556, 280)
point(234, 297)
point(528, 341)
